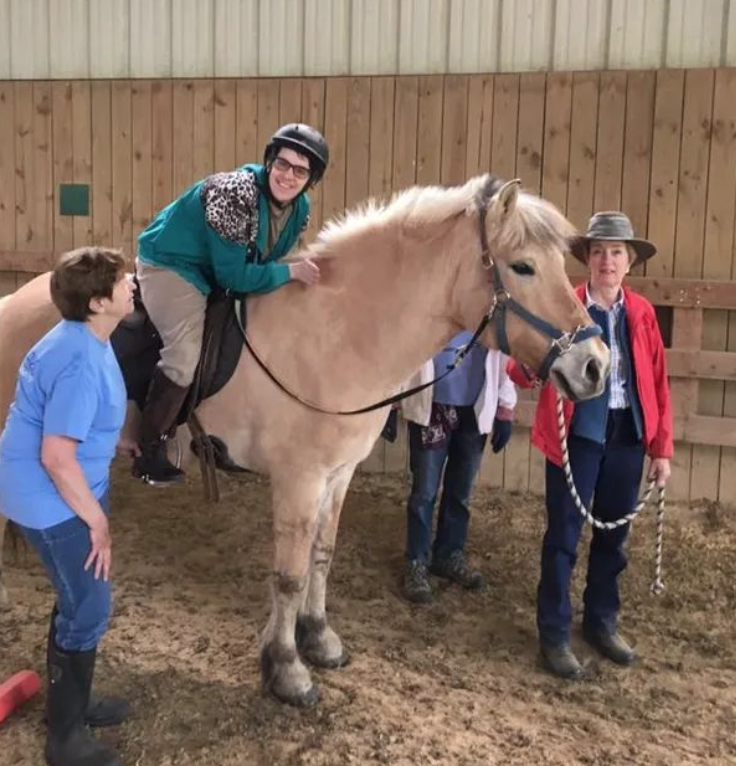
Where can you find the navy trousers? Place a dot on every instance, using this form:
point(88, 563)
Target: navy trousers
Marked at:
point(611, 474)
point(460, 458)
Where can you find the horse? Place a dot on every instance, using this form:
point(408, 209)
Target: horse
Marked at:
point(4, 601)
point(398, 280)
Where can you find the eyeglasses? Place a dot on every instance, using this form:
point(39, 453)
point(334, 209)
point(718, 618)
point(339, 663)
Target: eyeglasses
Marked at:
point(301, 173)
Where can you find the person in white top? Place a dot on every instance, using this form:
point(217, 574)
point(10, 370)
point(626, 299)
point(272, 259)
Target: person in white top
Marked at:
point(448, 427)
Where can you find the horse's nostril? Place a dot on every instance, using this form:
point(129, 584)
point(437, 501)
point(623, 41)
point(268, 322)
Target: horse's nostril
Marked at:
point(593, 371)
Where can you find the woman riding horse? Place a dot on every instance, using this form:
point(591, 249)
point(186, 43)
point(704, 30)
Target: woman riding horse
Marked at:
point(228, 231)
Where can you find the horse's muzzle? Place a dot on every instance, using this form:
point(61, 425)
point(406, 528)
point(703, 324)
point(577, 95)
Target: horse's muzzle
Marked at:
point(582, 372)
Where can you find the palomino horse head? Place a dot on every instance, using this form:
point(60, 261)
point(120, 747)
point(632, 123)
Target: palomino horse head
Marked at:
point(518, 281)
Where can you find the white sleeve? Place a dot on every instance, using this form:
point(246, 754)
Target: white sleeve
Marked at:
point(507, 396)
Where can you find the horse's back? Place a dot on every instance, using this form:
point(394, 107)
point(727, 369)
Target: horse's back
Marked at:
point(25, 316)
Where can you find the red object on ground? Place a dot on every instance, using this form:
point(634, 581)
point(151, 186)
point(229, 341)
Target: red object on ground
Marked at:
point(17, 690)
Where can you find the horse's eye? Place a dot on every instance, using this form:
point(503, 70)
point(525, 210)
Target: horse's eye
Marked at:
point(522, 268)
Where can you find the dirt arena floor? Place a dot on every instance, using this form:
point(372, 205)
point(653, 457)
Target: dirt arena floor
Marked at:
point(457, 682)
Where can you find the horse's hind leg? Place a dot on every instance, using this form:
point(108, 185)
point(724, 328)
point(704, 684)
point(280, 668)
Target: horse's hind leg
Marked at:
point(317, 641)
point(4, 601)
point(296, 502)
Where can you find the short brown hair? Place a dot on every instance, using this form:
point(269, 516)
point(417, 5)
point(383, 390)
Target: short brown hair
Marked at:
point(83, 274)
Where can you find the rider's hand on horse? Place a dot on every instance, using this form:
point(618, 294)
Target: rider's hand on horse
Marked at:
point(101, 554)
point(660, 471)
point(305, 271)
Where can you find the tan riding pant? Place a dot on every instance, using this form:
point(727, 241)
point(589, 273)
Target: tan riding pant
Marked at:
point(177, 310)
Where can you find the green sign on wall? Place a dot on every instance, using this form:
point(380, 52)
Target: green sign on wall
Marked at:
point(74, 199)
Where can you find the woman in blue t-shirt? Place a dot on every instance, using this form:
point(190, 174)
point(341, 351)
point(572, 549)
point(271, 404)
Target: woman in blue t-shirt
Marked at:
point(55, 454)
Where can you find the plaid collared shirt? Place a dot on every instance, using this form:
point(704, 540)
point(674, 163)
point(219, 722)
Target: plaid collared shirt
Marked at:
point(619, 398)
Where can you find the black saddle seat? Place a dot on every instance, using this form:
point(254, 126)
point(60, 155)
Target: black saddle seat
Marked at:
point(137, 346)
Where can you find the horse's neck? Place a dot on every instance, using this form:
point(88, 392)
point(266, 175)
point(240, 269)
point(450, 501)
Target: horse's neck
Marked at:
point(377, 315)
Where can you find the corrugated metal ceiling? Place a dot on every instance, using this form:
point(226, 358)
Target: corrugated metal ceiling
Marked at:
point(229, 38)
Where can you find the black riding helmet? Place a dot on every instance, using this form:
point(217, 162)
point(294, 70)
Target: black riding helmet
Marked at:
point(305, 140)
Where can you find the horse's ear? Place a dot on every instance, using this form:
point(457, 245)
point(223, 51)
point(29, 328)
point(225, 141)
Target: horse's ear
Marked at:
point(507, 195)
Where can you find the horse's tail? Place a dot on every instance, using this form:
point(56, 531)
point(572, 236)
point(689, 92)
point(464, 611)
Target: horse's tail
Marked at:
point(4, 400)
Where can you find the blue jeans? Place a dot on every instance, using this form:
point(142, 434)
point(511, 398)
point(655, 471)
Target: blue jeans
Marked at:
point(84, 604)
point(612, 472)
point(461, 452)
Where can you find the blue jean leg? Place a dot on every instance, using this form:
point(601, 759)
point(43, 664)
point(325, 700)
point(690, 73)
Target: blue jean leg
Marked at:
point(616, 494)
point(559, 548)
point(465, 452)
point(84, 604)
point(426, 472)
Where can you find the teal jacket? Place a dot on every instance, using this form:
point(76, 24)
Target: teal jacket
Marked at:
point(216, 234)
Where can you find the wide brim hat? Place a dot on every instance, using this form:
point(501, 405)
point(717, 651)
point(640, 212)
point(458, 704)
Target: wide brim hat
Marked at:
point(614, 226)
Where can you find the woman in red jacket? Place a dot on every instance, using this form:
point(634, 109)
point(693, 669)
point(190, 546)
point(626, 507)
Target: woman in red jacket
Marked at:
point(609, 437)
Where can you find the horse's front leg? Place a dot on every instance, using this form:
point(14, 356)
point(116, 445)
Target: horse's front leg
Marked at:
point(4, 601)
point(296, 503)
point(317, 641)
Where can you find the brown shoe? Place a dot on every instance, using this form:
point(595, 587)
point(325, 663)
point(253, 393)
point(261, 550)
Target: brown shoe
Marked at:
point(455, 568)
point(561, 662)
point(610, 645)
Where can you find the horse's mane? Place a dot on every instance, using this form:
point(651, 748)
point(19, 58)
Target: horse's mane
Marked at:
point(413, 207)
point(420, 206)
point(537, 222)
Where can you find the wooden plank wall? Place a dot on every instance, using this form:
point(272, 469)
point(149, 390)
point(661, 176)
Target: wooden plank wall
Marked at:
point(661, 145)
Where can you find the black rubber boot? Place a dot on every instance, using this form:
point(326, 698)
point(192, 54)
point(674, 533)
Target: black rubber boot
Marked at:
point(158, 422)
point(101, 711)
point(69, 742)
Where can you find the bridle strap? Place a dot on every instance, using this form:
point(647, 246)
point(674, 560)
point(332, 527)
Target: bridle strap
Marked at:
point(561, 343)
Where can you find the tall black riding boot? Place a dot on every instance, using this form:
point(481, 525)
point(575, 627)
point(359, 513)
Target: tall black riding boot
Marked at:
point(69, 742)
point(164, 401)
point(101, 711)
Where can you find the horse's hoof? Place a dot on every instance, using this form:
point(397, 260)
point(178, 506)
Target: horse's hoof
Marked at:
point(328, 663)
point(305, 700)
point(319, 645)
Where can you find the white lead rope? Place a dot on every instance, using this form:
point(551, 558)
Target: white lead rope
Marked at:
point(657, 584)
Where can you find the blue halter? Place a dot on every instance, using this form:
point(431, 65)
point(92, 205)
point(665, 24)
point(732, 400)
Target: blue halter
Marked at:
point(561, 342)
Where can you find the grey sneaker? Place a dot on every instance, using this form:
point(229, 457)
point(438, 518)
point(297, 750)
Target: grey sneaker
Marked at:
point(455, 568)
point(416, 583)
